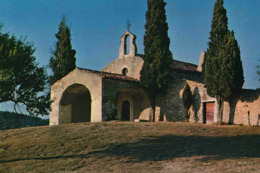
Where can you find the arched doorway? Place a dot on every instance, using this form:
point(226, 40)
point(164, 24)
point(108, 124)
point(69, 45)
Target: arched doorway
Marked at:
point(133, 104)
point(75, 105)
point(125, 114)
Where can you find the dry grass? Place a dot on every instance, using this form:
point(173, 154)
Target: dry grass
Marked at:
point(131, 147)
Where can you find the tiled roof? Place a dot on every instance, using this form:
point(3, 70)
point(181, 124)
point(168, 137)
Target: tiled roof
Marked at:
point(110, 75)
point(184, 66)
point(177, 65)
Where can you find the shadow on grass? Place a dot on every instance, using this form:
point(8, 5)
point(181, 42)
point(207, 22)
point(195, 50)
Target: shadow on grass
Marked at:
point(160, 148)
point(169, 147)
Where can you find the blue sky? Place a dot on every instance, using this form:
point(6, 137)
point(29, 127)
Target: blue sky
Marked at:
point(97, 25)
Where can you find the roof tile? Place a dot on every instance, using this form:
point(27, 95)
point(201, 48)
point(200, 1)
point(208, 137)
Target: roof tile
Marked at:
point(110, 75)
point(184, 66)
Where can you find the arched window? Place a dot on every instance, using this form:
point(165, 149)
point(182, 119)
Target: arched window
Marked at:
point(127, 44)
point(124, 71)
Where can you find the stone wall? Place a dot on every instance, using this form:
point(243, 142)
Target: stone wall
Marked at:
point(132, 64)
point(244, 109)
point(169, 104)
point(114, 92)
point(110, 90)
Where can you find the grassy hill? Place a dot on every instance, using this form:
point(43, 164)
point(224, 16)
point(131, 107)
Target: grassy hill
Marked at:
point(10, 120)
point(130, 147)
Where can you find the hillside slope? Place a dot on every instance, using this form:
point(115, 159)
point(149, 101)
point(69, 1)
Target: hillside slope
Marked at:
point(10, 120)
point(130, 147)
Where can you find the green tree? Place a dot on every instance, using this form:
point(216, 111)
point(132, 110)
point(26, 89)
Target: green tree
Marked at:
point(156, 71)
point(63, 59)
point(21, 80)
point(223, 67)
point(187, 99)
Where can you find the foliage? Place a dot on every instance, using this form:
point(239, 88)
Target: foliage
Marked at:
point(187, 98)
point(63, 59)
point(156, 71)
point(232, 77)
point(10, 120)
point(21, 80)
point(219, 30)
point(223, 67)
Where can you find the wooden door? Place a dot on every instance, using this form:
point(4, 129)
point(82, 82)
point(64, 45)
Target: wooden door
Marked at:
point(208, 112)
point(125, 115)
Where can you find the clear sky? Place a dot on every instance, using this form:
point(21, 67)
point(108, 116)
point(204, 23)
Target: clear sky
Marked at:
point(97, 25)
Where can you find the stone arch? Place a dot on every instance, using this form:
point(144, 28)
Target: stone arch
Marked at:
point(140, 105)
point(75, 104)
point(126, 44)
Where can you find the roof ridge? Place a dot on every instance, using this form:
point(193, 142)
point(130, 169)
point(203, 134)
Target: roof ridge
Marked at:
point(110, 75)
point(185, 62)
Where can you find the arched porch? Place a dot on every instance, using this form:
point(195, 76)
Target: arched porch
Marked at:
point(75, 104)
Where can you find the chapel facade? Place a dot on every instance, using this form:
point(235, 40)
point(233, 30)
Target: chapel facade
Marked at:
point(114, 93)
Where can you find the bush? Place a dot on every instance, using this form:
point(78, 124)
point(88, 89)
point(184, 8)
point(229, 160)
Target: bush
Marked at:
point(10, 120)
point(187, 99)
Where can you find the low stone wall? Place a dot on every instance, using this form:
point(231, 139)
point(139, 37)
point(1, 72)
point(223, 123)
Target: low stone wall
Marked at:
point(244, 109)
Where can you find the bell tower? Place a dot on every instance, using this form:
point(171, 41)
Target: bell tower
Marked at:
point(128, 46)
point(128, 63)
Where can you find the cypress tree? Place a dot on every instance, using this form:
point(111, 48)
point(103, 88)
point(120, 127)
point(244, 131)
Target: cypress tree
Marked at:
point(223, 67)
point(63, 59)
point(156, 72)
point(231, 68)
point(187, 99)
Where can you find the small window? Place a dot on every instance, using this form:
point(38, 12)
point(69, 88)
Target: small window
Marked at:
point(124, 71)
point(127, 44)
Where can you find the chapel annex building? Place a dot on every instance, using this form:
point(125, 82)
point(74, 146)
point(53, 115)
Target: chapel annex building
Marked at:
point(114, 92)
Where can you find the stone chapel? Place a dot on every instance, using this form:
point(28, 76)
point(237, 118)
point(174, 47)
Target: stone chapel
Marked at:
point(114, 93)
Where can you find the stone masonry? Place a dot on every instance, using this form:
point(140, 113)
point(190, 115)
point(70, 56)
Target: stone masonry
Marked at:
point(114, 93)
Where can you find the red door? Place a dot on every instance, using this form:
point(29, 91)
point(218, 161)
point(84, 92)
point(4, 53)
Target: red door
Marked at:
point(209, 112)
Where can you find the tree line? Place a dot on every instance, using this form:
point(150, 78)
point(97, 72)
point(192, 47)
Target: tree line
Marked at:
point(23, 81)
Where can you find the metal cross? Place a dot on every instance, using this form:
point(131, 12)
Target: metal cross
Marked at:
point(128, 24)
